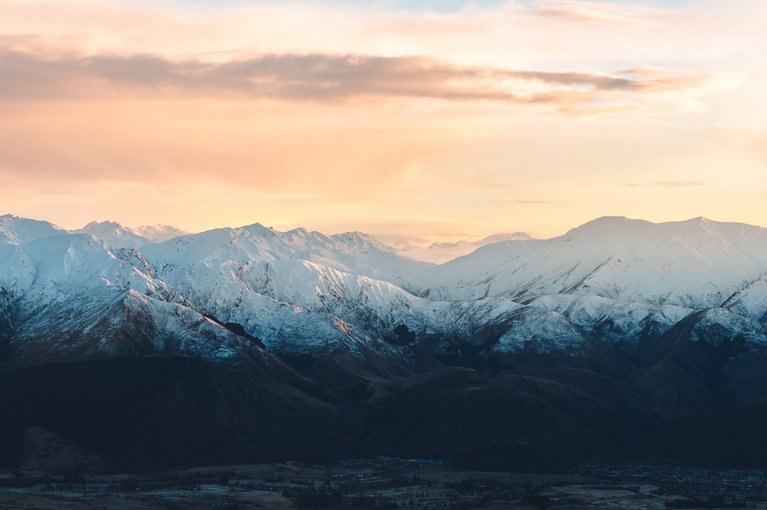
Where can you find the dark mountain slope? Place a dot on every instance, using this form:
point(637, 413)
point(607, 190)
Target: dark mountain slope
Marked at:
point(149, 412)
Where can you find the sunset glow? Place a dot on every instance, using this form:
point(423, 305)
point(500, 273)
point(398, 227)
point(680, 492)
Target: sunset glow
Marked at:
point(394, 119)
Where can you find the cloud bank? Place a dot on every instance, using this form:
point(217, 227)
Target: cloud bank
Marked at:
point(324, 77)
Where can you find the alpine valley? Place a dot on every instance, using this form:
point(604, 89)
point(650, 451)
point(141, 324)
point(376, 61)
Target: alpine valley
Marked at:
point(619, 341)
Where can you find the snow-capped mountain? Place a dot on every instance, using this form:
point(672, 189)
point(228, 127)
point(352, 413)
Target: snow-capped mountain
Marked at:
point(297, 290)
point(158, 233)
point(613, 281)
point(70, 296)
point(17, 230)
point(751, 301)
point(113, 234)
point(119, 236)
point(300, 291)
point(696, 264)
point(613, 334)
point(441, 252)
point(354, 252)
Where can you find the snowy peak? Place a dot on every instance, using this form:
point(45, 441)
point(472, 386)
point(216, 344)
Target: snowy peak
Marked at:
point(158, 233)
point(441, 252)
point(114, 234)
point(16, 230)
point(622, 229)
point(609, 226)
point(706, 238)
point(351, 252)
point(260, 230)
point(361, 241)
point(495, 238)
point(81, 264)
point(119, 236)
point(610, 280)
point(695, 263)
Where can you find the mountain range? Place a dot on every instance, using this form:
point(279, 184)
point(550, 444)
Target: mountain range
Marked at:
point(441, 252)
point(621, 339)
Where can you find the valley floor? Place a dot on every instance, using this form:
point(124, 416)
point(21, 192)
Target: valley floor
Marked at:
point(385, 483)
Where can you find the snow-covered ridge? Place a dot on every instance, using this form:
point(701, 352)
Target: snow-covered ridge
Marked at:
point(697, 263)
point(612, 280)
point(75, 297)
point(19, 230)
point(119, 236)
point(352, 252)
point(158, 233)
point(441, 252)
point(16, 230)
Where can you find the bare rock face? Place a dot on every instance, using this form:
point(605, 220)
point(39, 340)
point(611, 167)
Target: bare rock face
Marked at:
point(47, 451)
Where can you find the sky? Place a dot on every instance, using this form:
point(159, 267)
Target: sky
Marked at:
point(428, 120)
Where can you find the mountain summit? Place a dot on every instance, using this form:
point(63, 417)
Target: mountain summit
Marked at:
point(441, 252)
point(119, 236)
point(658, 320)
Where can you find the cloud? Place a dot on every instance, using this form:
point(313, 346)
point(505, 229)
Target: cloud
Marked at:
point(664, 184)
point(526, 202)
point(319, 77)
point(537, 202)
point(591, 12)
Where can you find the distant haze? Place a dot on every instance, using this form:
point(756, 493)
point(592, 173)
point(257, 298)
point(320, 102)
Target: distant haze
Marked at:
point(440, 252)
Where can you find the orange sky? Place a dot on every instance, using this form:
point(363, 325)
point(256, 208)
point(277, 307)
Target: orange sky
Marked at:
point(533, 116)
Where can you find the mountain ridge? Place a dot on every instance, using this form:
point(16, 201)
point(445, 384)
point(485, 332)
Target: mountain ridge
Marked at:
point(301, 291)
point(614, 321)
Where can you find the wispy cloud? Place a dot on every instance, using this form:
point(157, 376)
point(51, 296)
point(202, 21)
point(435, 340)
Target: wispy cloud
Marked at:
point(663, 183)
point(318, 77)
point(537, 202)
point(585, 11)
point(525, 202)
